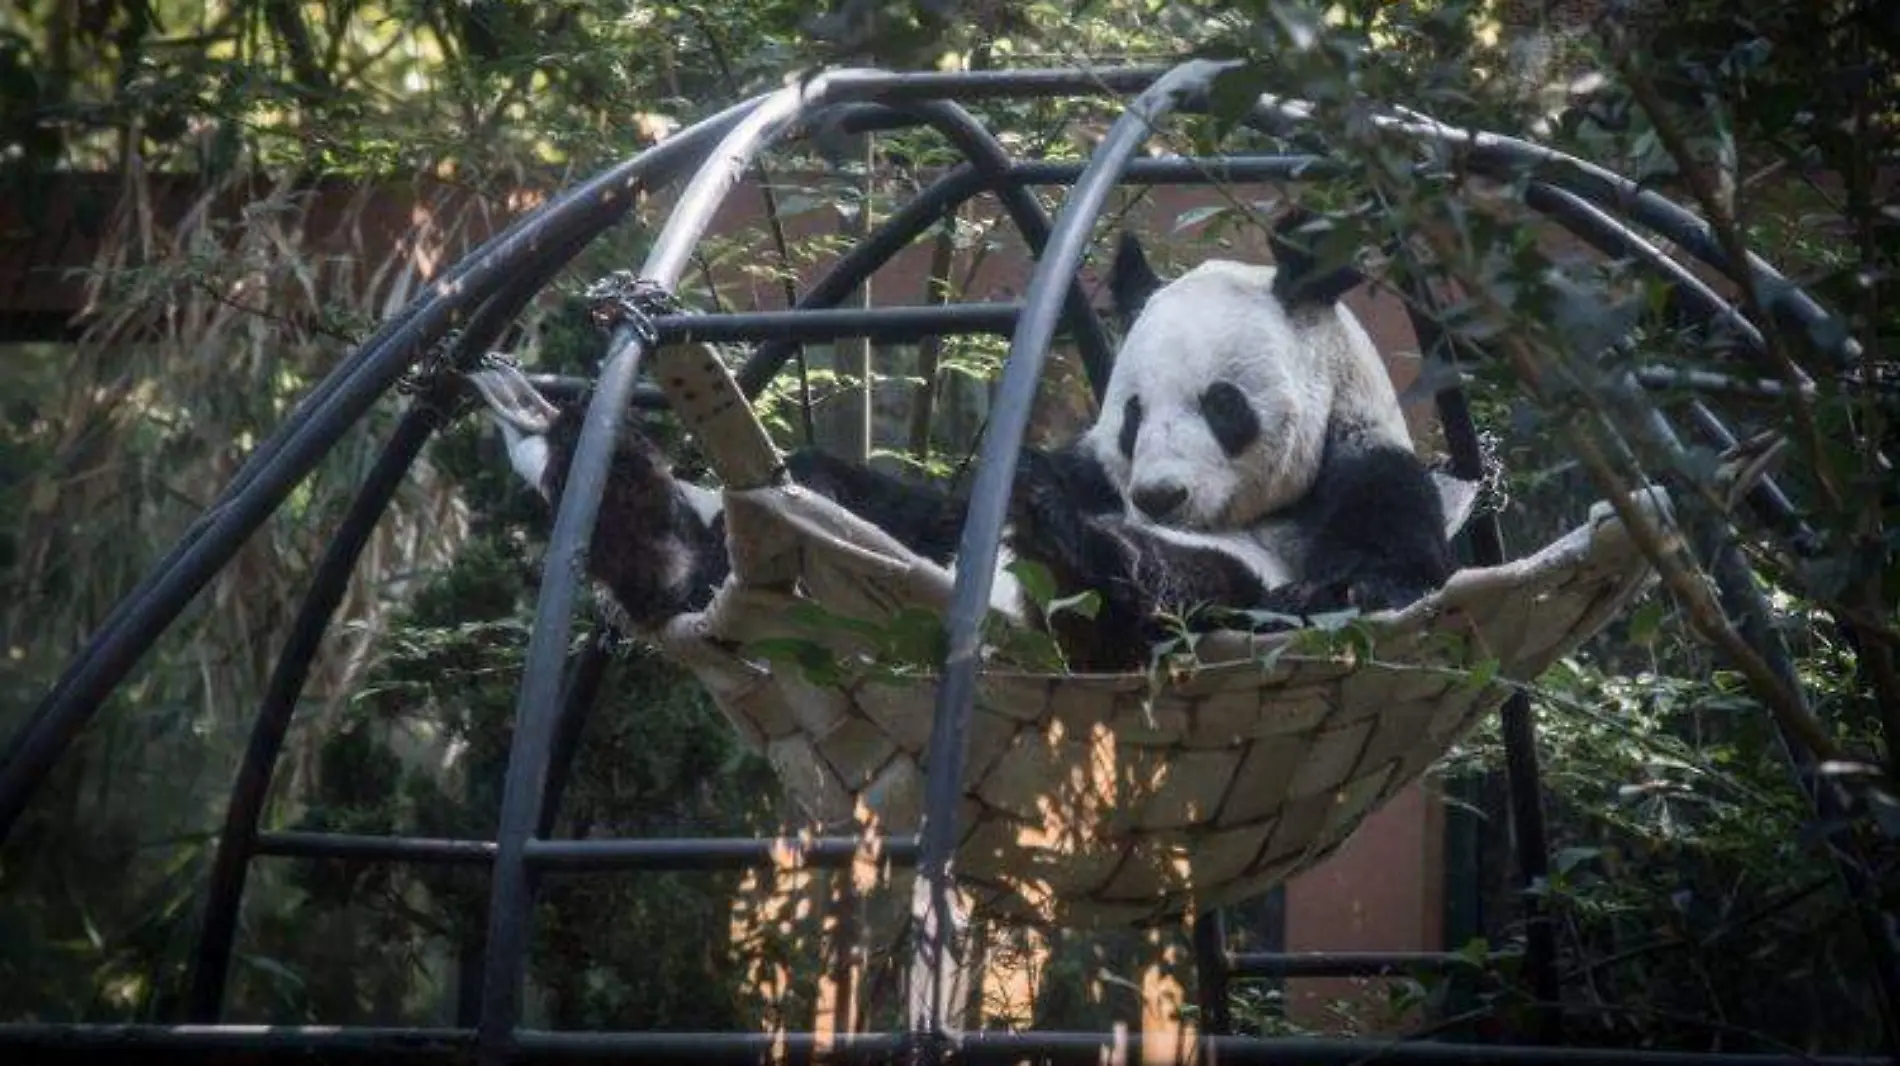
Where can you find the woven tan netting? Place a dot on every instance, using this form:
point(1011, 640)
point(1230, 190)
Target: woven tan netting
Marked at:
point(1107, 799)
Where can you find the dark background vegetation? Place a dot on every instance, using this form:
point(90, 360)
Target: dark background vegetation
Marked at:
point(1697, 903)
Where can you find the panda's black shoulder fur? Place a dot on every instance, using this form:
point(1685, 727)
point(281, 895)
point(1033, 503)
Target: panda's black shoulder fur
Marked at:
point(1371, 531)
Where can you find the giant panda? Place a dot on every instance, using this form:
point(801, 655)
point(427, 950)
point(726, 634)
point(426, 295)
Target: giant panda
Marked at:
point(1250, 455)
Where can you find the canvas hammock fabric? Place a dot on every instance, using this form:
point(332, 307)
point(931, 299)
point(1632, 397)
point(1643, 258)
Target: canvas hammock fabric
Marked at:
point(1106, 799)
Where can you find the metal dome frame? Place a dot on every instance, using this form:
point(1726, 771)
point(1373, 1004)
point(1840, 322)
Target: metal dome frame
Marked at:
point(461, 316)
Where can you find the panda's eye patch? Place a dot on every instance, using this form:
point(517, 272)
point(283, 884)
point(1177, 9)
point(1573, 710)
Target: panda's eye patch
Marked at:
point(1229, 417)
point(1131, 427)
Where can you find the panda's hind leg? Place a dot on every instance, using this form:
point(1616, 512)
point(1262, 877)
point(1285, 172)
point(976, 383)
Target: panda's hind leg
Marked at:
point(925, 520)
point(654, 546)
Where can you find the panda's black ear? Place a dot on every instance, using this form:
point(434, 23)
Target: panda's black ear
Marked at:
point(1131, 280)
point(1296, 279)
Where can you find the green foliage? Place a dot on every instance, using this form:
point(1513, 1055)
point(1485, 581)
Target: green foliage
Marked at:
point(1690, 877)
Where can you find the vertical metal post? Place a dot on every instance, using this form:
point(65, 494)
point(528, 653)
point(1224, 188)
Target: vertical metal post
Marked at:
point(236, 843)
point(1485, 539)
point(982, 531)
point(511, 894)
point(1210, 973)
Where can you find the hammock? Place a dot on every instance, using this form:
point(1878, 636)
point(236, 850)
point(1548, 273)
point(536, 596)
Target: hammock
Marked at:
point(1103, 799)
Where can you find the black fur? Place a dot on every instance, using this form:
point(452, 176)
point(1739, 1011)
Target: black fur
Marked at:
point(1131, 280)
point(1131, 427)
point(1230, 417)
point(650, 548)
point(926, 521)
point(1137, 574)
point(1374, 531)
point(1294, 280)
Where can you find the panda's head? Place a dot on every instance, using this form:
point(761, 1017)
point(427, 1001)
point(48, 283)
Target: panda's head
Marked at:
point(1227, 382)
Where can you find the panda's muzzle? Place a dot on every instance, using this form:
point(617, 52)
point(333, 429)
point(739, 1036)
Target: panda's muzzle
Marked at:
point(1158, 501)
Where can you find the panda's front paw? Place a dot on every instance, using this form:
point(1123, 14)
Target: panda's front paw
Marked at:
point(1049, 527)
point(1367, 591)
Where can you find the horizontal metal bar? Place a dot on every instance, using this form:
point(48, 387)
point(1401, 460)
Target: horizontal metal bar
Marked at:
point(1346, 963)
point(889, 324)
point(1186, 170)
point(557, 856)
point(39, 1043)
point(431, 850)
point(986, 84)
point(573, 856)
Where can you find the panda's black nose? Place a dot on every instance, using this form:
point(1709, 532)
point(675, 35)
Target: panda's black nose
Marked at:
point(1159, 501)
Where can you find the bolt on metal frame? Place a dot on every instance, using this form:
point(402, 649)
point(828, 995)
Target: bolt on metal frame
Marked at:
point(479, 297)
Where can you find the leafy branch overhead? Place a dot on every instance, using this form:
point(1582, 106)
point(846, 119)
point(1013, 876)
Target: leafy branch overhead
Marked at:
point(1702, 896)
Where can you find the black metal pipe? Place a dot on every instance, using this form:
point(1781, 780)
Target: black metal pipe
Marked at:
point(1498, 156)
point(1188, 170)
point(511, 891)
point(1484, 539)
point(334, 406)
point(1212, 969)
point(798, 325)
point(363, 847)
point(1603, 232)
point(989, 497)
point(577, 856)
point(891, 237)
point(987, 154)
point(225, 890)
point(960, 184)
point(933, 85)
point(988, 167)
point(586, 856)
point(49, 1042)
point(1347, 963)
point(577, 701)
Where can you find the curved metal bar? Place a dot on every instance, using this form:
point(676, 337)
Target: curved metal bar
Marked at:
point(1603, 232)
point(237, 842)
point(1498, 156)
point(989, 500)
point(960, 184)
point(578, 699)
point(987, 154)
point(342, 398)
point(327, 586)
point(987, 168)
point(511, 890)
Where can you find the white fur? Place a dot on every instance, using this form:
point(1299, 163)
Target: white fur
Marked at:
point(1270, 557)
point(707, 503)
point(1222, 322)
point(527, 453)
point(1006, 591)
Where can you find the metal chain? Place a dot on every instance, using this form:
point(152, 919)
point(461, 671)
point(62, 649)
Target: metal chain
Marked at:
point(623, 298)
